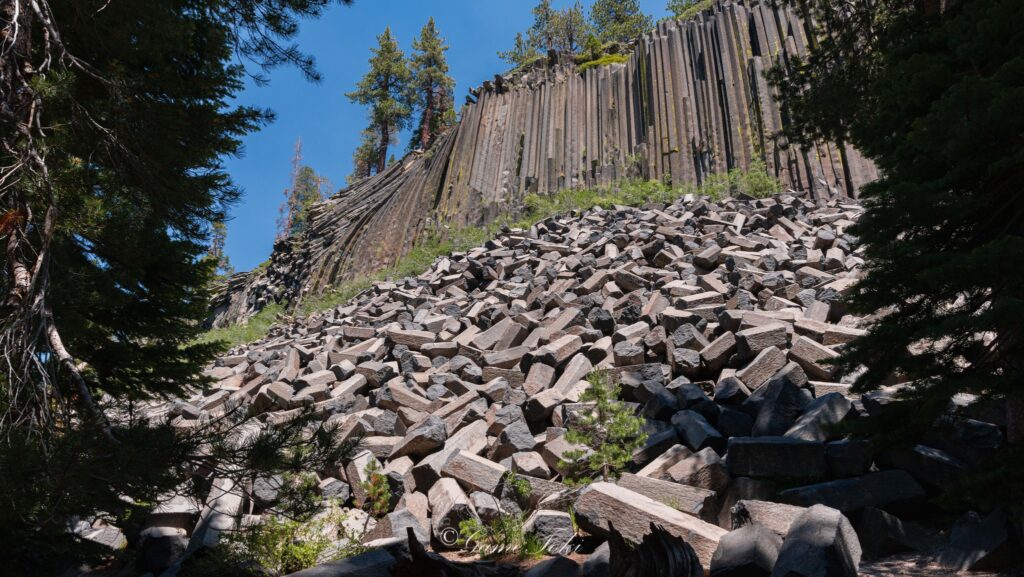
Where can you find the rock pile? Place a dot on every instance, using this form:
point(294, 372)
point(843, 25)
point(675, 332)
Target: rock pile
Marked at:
point(718, 319)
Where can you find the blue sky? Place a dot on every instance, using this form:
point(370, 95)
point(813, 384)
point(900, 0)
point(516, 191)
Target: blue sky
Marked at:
point(323, 118)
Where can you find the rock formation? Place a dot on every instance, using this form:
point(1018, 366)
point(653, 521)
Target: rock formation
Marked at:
point(691, 101)
point(717, 319)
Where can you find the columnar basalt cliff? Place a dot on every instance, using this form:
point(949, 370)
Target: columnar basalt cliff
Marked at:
point(691, 101)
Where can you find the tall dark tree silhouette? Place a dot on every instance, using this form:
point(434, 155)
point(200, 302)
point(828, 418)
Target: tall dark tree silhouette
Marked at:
point(433, 86)
point(114, 120)
point(930, 91)
point(386, 89)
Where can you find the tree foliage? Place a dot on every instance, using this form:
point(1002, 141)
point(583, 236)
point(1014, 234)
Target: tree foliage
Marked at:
point(433, 86)
point(931, 92)
point(609, 433)
point(218, 239)
point(523, 51)
point(307, 188)
point(386, 89)
point(572, 31)
point(115, 120)
point(619, 20)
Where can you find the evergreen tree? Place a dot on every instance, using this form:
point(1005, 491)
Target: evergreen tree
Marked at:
point(571, 29)
point(434, 88)
point(364, 159)
point(307, 188)
point(931, 92)
point(619, 20)
point(522, 53)
point(543, 33)
point(115, 118)
point(218, 238)
point(608, 435)
point(386, 90)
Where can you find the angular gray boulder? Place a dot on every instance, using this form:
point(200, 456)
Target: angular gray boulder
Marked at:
point(820, 543)
point(749, 551)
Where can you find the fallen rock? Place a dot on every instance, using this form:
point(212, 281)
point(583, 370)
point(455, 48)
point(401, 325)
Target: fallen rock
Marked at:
point(632, 515)
point(981, 544)
point(820, 543)
point(892, 488)
point(553, 528)
point(776, 517)
point(776, 457)
point(749, 551)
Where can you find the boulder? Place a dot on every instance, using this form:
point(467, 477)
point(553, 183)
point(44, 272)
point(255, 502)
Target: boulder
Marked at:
point(776, 517)
point(696, 432)
point(820, 543)
point(776, 405)
point(820, 414)
point(553, 528)
point(981, 544)
point(749, 551)
point(554, 567)
point(632, 515)
point(422, 440)
point(884, 489)
point(700, 503)
point(449, 506)
point(776, 457)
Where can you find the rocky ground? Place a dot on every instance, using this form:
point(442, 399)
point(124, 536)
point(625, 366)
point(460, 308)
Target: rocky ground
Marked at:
point(717, 319)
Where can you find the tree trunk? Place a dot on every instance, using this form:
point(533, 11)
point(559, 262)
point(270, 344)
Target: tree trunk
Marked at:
point(385, 138)
point(425, 136)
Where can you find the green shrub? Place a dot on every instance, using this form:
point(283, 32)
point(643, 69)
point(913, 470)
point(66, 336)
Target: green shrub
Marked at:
point(603, 61)
point(754, 182)
point(520, 486)
point(284, 545)
point(502, 537)
point(378, 492)
point(611, 432)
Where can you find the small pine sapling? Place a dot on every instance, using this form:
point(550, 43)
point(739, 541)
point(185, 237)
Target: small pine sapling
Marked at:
point(378, 492)
point(609, 434)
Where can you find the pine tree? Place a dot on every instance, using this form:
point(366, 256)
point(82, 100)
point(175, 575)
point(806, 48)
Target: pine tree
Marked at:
point(386, 90)
point(522, 53)
point(364, 159)
point(571, 29)
point(307, 188)
point(433, 86)
point(931, 92)
point(218, 238)
point(543, 34)
point(115, 118)
point(619, 20)
point(608, 434)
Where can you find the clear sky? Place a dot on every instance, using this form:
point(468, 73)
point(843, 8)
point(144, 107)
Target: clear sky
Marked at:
point(323, 118)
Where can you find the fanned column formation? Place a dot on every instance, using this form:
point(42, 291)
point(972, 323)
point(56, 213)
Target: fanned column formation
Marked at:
point(690, 101)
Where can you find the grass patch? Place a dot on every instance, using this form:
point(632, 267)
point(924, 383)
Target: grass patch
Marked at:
point(502, 537)
point(755, 182)
point(603, 61)
point(256, 328)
